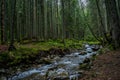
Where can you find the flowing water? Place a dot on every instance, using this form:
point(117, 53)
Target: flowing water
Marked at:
point(65, 68)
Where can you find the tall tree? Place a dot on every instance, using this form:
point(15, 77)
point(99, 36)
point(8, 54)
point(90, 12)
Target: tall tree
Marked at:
point(13, 6)
point(114, 21)
point(35, 18)
point(2, 20)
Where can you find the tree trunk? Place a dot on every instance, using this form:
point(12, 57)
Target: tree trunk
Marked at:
point(11, 47)
point(114, 21)
point(2, 21)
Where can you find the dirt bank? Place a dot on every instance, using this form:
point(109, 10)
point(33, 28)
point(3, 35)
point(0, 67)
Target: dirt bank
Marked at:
point(105, 67)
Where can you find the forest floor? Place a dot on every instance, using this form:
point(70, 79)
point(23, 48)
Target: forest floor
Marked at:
point(105, 67)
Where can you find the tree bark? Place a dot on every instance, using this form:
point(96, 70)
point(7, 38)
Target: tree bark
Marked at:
point(114, 21)
point(2, 21)
point(14, 21)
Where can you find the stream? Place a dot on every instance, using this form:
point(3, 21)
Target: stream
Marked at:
point(65, 68)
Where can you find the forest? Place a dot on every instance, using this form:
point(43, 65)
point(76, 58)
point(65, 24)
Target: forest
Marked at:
point(35, 34)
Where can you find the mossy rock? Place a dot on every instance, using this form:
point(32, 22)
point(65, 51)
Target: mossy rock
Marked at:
point(83, 66)
point(83, 52)
point(87, 60)
point(46, 61)
point(86, 64)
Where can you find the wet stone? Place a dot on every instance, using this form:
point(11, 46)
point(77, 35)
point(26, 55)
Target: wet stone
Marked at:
point(59, 68)
point(89, 50)
point(83, 52)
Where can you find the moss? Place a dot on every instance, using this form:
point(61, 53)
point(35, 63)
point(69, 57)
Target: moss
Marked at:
point(5, 57)
point(95, 42)
point(25, 53)
point(83, 66)
point(46, 45)
point(15, 57)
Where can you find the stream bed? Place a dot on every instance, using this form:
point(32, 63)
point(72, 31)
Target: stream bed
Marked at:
point(65, 68)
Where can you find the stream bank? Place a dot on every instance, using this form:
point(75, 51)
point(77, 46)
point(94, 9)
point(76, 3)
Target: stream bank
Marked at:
point(105, 67)
point(65, 66)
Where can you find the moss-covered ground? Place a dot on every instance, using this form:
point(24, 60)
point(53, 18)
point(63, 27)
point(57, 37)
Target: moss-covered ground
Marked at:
point(25, 51)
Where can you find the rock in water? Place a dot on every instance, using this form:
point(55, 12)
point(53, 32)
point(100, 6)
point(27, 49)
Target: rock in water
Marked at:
point(83, 52)
point(95, 48)
point(62, 73)
point(59, 74)
point(87, 60)
point(87, 46)
point(89, 50)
